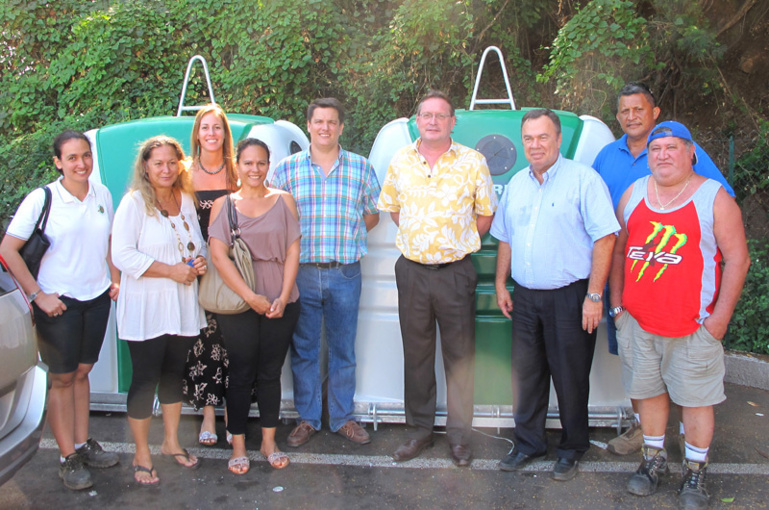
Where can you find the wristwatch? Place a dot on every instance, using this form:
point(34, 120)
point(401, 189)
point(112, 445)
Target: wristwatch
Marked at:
point(613, 312)
point(595, 297)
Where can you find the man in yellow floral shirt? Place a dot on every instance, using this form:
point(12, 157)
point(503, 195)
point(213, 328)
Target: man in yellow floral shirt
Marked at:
point(440, 195)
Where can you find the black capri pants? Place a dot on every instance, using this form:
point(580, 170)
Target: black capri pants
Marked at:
point(157, 363)
point(256, 349)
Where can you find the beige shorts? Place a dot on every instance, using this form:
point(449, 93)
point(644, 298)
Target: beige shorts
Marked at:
point(690, 368)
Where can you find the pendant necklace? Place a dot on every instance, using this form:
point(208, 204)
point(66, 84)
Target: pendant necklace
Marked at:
point(180, 245)
point(209, 172)
point(657, 192)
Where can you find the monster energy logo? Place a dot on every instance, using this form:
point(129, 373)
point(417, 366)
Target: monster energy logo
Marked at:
point(652, 254)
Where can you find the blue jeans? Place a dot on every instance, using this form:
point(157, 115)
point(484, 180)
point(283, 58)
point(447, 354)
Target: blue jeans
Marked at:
point(329, 297)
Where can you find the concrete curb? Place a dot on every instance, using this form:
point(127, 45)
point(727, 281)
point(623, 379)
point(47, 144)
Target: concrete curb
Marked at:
point(747, 369)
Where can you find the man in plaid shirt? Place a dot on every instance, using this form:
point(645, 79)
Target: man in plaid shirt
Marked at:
point(336, 193)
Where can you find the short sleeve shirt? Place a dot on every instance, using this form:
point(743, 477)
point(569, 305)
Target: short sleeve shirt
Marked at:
point(75, 265)
point(438, 206)
point(331, 207)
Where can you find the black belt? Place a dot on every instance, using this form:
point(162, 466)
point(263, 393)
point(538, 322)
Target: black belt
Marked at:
point(438, 266)
point(323, 265)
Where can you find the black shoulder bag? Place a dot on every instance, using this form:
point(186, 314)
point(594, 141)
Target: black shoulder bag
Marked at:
point(33, 250)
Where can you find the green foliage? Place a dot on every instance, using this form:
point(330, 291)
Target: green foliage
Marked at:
point(749, 329)
point(751, 170)
point(604, 45)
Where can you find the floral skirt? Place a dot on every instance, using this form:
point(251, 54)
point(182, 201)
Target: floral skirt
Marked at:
point(205, 376)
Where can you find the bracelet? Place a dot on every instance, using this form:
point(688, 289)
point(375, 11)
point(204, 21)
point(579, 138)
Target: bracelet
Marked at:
point(32, 296)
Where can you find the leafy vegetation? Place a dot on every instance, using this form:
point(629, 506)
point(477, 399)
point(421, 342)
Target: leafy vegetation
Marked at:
point(749, 329)
point(85, 64)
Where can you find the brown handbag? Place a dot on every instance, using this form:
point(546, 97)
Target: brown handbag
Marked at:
point(213, 294)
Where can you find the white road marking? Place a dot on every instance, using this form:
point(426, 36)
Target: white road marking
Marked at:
point(385, 461)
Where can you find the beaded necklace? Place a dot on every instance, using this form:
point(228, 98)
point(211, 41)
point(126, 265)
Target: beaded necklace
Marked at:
point(180, 245)
point(209, 172)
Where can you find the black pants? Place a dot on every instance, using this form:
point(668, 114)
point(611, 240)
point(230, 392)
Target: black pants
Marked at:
point(157, 363)
point(445, 295)
point(548, 341)
point(256, 348)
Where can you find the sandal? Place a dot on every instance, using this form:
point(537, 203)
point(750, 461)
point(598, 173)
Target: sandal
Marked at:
point(186, 456)
point(150, 471)
point(278, 459)
point(229, 438)
point(207, 438)
point(239, 465)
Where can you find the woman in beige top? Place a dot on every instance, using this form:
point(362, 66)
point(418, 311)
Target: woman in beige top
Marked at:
point(257, 340)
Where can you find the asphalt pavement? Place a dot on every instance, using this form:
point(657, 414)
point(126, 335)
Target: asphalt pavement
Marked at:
point(331, 473)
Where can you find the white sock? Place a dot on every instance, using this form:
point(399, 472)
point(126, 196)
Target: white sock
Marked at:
point(656, 442)
point(695, 453)
point(681, 428)
point(637, 417)
point(79, 445)
point(61, 459)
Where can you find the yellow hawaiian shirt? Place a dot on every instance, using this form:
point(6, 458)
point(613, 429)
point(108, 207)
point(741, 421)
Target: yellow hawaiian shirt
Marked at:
point(438, 207)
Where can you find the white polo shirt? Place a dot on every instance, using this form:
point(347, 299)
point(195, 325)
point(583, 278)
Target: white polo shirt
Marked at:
point(75, 265)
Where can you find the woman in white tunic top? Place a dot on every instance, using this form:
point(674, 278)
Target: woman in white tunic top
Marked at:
point(158, 246)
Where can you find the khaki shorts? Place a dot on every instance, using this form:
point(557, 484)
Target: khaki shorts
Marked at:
point(690, 368)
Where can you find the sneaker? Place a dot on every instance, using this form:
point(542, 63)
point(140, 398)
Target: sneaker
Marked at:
point(646, 478)
point(354, 432)
point(629, 442)
point(692, 494)
point(300, 435)
point(74, 474)
point(94, 455)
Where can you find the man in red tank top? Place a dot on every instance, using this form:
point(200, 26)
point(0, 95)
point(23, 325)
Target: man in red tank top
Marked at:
point(678, 268)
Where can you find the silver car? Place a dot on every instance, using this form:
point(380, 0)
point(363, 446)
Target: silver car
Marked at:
point(23, 383)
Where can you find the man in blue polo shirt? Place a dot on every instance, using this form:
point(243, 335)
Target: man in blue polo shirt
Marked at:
point(620, 164)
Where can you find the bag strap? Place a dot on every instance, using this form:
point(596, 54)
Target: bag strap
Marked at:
point(43, 218)
point(232, 218)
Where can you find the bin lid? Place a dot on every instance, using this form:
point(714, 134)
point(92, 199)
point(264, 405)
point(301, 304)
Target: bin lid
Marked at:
point(497, 135)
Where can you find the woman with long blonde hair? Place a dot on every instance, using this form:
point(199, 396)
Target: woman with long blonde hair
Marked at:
point(211, 168)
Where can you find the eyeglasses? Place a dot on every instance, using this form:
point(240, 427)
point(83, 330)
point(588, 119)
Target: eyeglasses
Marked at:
point(430, 116)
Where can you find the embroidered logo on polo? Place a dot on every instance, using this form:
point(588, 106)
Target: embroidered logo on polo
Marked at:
point(659, 249)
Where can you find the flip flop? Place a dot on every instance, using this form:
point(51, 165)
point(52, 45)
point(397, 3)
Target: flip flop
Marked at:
point(276, 459)
point(239, 465)
point(207, 438)
point(184, 455)
point(150, 471)
point(229, 438)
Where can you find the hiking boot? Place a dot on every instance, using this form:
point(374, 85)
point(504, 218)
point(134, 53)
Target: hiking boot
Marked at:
point(94, 455)
point(629, 442)
point(646, 478)
point(74, 474)
point(692, 494)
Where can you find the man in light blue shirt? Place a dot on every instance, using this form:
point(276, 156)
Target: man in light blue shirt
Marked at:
point(556, 230)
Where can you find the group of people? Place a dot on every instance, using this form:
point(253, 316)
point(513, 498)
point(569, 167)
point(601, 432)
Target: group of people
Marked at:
point(654, 218)
point(650, 234)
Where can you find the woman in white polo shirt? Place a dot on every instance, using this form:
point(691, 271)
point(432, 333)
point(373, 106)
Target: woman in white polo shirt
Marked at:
point(157, 245)
point(70, 296)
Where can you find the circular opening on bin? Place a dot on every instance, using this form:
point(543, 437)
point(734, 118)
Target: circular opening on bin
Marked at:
point(499, 151)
